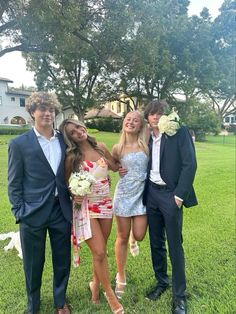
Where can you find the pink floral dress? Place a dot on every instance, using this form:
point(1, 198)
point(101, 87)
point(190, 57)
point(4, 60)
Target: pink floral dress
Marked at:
point(97, 204)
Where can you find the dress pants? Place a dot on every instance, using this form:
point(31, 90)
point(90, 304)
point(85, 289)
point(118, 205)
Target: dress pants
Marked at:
point(33, 241)
point(165, 221)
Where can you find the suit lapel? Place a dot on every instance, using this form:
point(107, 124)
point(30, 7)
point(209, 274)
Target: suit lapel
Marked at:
point(63, 149)
point(163, 142)
point(38, 149)
point(150, 155)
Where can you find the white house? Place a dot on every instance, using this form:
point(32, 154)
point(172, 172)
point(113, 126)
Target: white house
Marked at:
point(230, 119)
point(12, 104)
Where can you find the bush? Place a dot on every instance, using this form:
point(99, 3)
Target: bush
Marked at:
point(231, 128)
point(13, 130)
point(107, 124)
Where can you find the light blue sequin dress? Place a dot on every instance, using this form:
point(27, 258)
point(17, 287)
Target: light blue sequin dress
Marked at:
point(129, 189)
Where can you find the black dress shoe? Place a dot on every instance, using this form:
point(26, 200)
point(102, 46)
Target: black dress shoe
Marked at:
point(156, 292)
point(179, 307)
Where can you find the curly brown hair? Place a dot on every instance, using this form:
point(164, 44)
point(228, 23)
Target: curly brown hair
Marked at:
point(42, 98)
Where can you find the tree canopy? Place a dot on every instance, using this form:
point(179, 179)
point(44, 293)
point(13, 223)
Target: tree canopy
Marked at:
point(92, 51)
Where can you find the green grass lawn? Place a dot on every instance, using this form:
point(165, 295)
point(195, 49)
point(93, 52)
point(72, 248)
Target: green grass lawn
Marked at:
point(209, 241)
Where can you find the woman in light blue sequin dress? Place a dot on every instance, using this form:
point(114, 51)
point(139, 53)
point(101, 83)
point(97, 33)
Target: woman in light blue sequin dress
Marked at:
point(132, 153)
point(129, 190)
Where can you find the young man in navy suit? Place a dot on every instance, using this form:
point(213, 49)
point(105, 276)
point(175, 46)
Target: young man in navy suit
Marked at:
point(41, 201)
point(170, 176)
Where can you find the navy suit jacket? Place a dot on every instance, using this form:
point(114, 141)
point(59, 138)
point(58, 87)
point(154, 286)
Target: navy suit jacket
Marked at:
point(177, 165)
point(32, 182)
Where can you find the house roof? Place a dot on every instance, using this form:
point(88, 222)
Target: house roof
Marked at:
point(101, 113)
point(12, 91)
point(3, 79)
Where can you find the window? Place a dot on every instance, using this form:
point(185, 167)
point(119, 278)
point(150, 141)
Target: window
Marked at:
point(22, 102)
point(118, 108)
point(13, 99)
point(227, 119)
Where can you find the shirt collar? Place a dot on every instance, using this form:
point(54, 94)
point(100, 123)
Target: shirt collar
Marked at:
point(40, 135)
point(156, 138)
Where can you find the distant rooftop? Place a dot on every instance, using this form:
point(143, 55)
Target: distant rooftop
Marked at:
point(3, 79)
point(12, 91)
point(101, 113)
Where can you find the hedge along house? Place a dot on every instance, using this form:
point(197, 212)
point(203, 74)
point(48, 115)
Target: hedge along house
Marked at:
point(12, 104)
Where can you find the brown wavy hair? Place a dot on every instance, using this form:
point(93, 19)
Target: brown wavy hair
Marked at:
point(73, 148)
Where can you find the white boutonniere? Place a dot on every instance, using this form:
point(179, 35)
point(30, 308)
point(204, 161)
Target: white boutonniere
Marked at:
point(169, 124)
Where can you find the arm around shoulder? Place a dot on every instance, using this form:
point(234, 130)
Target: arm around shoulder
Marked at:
point(113, 163)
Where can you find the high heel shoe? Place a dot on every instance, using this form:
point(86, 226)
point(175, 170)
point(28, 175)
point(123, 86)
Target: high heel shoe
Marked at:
point(118, 289)
point(94, 300)
point(116, 310)
point(134, 248)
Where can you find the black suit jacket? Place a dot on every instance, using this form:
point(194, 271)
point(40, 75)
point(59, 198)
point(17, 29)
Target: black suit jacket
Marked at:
point(177, 165)
point(32, 182)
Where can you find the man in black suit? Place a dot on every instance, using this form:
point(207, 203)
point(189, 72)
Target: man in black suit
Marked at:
point(171, 172)
point(41, 201)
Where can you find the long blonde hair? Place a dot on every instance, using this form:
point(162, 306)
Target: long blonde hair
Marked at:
point(73, 148)
point(141, 138)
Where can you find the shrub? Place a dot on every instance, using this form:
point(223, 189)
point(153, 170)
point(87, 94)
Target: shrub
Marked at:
point(231, 128)
point(107, 124)
point(13, 130)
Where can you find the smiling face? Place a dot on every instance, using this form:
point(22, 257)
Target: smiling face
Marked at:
point(43, 116)
point(76, 133)
point(132, 122)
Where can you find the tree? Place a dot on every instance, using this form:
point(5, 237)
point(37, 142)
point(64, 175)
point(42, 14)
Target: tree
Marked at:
point(200, 117)
point(80, 39)
point(13, 14)
point(222, 90)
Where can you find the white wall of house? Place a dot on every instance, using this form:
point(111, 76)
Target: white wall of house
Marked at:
point(65, 114)
point(230, 119)
point(12, 105)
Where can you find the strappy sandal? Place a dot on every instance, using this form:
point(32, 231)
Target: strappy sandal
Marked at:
point(90, 287)
point(134, 249)
point(119, 310)
point(119, 293)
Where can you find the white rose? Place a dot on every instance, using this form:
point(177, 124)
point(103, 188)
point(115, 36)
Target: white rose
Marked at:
point(162, 124)
point(73, 183)
point(173, 116)
point(172, 128)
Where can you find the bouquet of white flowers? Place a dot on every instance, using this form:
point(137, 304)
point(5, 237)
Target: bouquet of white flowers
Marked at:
point(169, 124)
point(80, 182)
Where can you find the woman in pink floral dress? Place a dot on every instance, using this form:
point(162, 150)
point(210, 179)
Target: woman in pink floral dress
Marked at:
point(92, 214)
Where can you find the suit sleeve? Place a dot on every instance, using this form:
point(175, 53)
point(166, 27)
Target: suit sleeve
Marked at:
point(15, 178)
point(188, 164)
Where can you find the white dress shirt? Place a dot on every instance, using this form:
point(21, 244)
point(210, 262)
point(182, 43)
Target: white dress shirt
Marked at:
point(155, 175)
point(51, 149)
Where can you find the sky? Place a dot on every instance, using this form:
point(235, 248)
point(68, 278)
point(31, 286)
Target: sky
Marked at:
point(13, 67)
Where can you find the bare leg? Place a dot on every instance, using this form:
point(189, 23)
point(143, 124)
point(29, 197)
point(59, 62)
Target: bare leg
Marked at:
point(106, 225)
point(97, 246)
point(139, 227)
point(123, 231)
